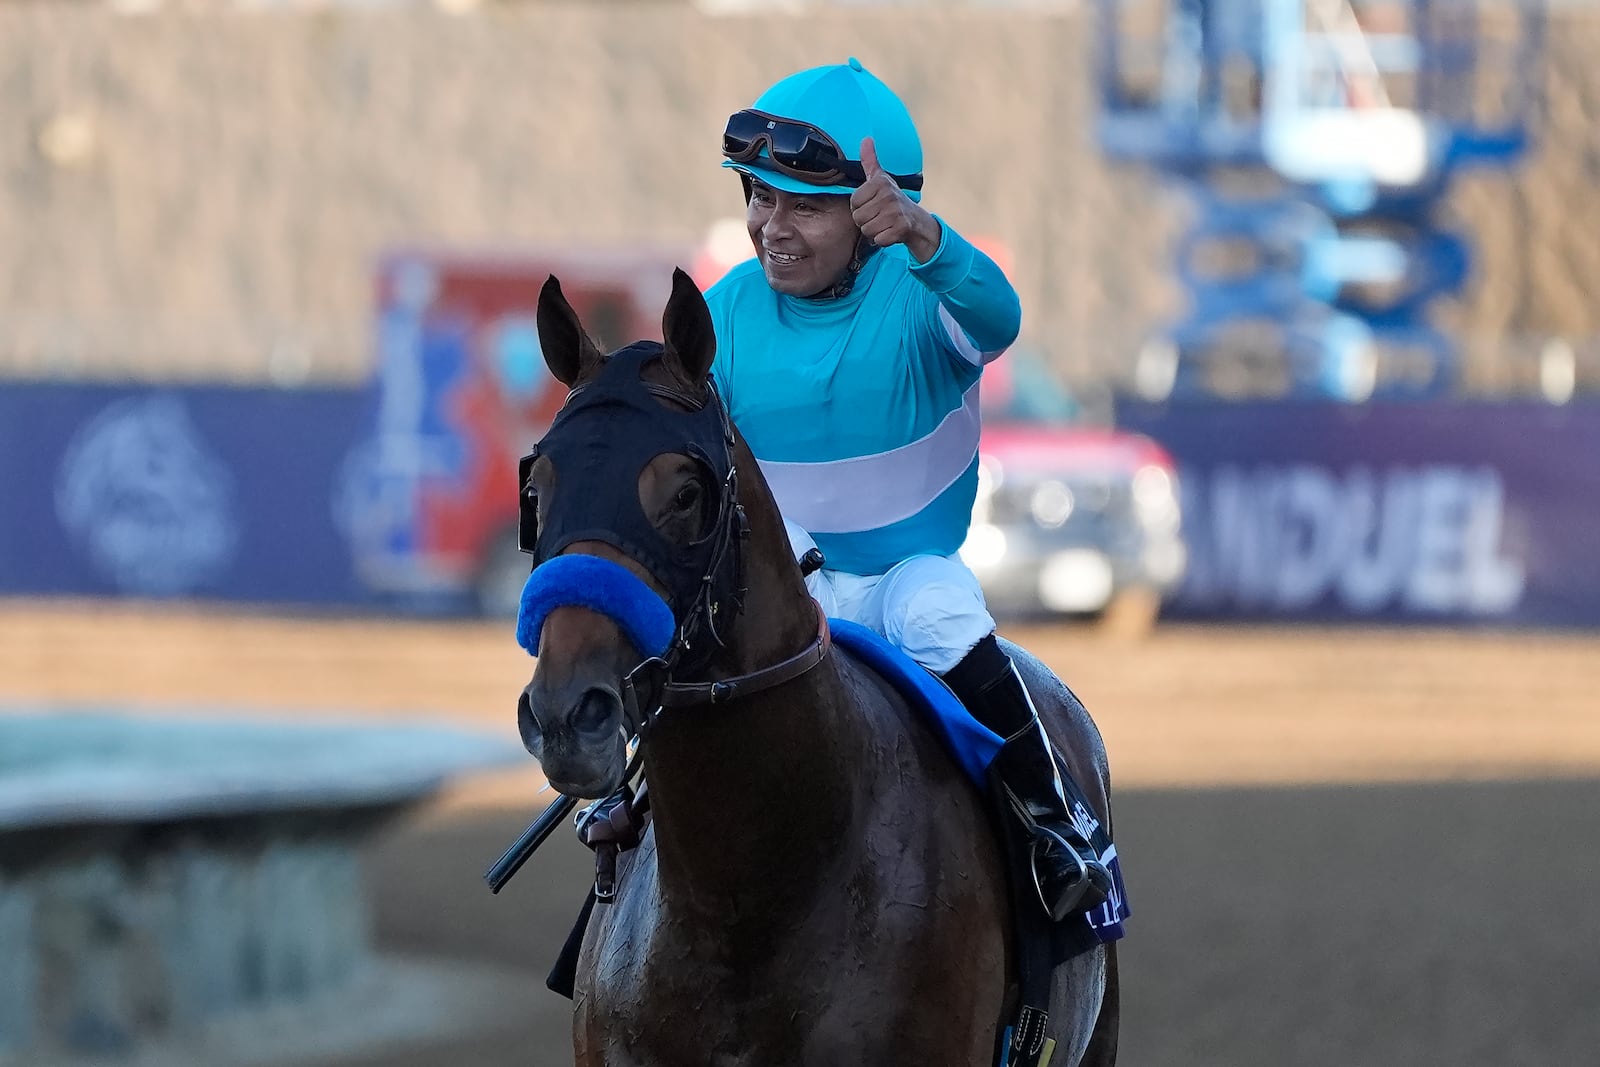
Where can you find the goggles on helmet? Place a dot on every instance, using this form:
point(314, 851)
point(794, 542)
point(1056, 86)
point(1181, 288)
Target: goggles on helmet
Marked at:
point(797, 149)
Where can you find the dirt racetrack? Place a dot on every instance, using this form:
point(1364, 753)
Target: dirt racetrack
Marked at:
point(1343, 847)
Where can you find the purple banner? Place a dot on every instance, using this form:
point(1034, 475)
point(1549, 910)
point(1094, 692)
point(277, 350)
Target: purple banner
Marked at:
point(193, 492)
point(1464, 513)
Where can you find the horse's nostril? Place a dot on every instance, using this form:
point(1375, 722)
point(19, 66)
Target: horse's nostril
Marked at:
point(595, 709)
point(527, 723)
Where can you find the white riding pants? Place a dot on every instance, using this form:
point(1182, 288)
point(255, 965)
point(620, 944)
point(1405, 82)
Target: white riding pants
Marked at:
point(931, 607)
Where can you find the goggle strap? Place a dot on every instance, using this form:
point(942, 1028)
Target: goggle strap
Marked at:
point(840, 169)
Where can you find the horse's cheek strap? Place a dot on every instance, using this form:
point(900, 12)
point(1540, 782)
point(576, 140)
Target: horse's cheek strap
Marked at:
point(600, 585)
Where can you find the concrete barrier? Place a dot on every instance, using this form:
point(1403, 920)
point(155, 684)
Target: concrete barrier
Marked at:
point(159, 877)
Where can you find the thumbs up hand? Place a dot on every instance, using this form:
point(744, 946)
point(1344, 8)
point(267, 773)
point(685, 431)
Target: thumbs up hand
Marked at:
point(883, 211)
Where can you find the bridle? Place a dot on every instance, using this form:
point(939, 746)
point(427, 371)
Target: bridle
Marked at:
point(705, 579)
point(689, 694)
point(650, 688)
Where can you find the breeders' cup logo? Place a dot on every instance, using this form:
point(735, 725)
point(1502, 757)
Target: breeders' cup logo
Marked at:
point(148, 501)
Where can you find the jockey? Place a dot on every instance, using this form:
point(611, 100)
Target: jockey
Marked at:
point(849, 352)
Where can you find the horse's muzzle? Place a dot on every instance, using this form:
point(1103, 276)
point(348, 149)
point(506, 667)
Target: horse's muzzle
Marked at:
point(580, 748)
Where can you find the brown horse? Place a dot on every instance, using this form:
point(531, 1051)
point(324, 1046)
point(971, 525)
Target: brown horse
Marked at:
point(820, 884)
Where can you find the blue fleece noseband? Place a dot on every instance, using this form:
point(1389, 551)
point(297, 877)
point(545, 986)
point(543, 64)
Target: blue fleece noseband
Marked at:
point(597, 584)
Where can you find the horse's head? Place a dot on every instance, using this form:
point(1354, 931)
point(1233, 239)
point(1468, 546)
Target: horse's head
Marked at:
point(628, 507)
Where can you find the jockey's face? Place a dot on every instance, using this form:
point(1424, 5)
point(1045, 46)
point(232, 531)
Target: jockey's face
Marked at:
point(804, 241)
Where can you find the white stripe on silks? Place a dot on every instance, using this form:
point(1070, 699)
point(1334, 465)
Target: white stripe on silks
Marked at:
point(963, 343)
point(869, 492)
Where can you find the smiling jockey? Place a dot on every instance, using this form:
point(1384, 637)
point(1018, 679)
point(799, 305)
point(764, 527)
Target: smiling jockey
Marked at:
point(849, 353)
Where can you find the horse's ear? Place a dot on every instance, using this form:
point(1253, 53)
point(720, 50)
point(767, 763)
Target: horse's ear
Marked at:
point(691, 342)
point(567, 349)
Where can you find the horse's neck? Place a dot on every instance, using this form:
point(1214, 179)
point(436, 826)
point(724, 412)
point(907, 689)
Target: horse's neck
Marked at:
point(750, 798)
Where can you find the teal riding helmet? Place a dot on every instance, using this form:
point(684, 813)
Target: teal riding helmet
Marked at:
point(846, 102)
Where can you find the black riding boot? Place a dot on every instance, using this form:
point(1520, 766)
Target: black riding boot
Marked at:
point(1071, 876)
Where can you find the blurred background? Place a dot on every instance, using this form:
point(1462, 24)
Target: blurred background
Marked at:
point(1294, 476)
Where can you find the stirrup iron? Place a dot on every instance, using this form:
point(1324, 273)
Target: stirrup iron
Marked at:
point(1080, 884)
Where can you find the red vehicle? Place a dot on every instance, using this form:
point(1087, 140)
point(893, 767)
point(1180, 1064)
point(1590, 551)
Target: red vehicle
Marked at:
point(1068, 517)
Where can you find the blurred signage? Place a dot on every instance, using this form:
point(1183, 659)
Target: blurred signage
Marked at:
point(145, 499)
point(195, 492)
point(1428, 541)
point(428, 497)
point(1430, 513)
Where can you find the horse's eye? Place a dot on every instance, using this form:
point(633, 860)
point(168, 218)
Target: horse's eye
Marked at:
point(688, 498)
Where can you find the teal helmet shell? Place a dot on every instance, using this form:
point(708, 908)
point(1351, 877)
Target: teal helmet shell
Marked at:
point(848, 103)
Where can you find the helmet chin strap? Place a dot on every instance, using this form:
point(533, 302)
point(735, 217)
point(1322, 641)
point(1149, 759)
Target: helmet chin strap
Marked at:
point(865, 249)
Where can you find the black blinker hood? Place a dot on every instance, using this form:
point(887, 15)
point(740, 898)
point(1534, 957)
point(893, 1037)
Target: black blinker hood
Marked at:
point(607, 431)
